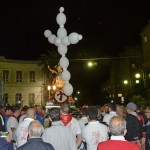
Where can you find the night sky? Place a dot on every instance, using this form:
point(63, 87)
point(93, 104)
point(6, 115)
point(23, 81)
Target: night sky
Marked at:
point(108, 27)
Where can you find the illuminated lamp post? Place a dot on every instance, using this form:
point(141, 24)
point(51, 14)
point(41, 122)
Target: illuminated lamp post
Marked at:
point(49, 89)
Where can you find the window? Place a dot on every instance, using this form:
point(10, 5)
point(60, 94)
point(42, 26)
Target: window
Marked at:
point(6, 97)
point(18, 97)
point(5, 75)
point(31, 99)
point(18, 76)
point(32, 76)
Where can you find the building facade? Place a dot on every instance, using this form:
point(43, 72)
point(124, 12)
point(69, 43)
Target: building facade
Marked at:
point(22, 82)
point(122, 71)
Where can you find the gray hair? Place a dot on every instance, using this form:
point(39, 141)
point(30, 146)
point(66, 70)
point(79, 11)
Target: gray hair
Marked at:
point(36, 128)
point(31, 113)
point(117, 126)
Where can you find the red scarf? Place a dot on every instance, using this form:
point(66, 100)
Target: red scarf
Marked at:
point(13, 115)
point(66, 118)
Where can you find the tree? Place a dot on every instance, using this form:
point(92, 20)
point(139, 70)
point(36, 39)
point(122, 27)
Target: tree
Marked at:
point(51, 59)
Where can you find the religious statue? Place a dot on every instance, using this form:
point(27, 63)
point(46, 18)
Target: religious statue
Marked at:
point(57, 79)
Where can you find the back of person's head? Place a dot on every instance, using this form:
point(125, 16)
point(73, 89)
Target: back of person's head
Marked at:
point(35, 129)
point(84, 111)
point(7, 108)
point(16, 109)
point(121, 110)
point(93, 112)
point(39, 108)
point(112, 106)
point(31, 113)
point(117, 126)
point(131, 106)
point(65, 108)
point(54, 114)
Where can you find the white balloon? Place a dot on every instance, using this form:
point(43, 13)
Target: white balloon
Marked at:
point(65, 41)
point(61, 33)
point(57, 41)
point(74, 38)
point(47, 33)
point(68, 89)
point(66, 75)
point(51, 38)
point(62, 49)
point(61, 18)
point(64, 62)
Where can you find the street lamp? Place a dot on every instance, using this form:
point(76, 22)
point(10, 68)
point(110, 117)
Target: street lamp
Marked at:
point(90, 64)
point(49, 88)
point(125, 81)
point(137, 75)
point(78, 92)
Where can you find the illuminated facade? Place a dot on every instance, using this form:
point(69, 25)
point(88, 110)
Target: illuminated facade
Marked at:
point(22, 81)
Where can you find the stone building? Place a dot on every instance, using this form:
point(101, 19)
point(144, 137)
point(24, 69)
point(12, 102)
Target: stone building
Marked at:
point(22, 82)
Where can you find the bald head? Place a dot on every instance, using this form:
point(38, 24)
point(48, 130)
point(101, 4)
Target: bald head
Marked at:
point(117, 126)
point(31, 113)
point(35, 129)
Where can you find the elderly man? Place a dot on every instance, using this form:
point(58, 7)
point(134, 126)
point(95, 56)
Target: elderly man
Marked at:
point(117, 127)
point(35, 142)
point(22, 129)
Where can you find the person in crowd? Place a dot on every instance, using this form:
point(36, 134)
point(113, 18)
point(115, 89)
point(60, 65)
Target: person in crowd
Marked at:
point(12, 122)
point(21, 132)
point(60, 136)
point(147, 129)
point(7, 113)
point(23, 113)
point(105, 109)
point(5, 143)
point(112, 112)
point(142, 115)
point(94, 132)
point(71, 122)
point(40, 114)
point(35, 142)
point(83, 121)
point(117, 128)
point(121, 111)
point(134, 124)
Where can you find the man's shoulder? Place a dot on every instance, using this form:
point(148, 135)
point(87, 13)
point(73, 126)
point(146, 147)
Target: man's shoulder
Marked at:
point(117, 143)
point(38, 143)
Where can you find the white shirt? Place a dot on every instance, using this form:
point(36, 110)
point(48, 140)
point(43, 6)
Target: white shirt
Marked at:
point(74, 126)
point(82, 122)
point(120, 138)
point(22, 131)
point(107, 117)
point(60, 136)
point(22, 118)
point(11, 123)
point(94, 133)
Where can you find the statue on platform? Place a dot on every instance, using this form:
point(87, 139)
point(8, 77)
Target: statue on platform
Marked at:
point(56, 73)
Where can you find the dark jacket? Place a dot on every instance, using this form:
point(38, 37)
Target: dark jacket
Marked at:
point(36, 144)
point(134, 128)
point(4, 145)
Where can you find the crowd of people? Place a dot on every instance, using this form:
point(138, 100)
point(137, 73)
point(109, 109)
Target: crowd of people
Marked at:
point(107, 127)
